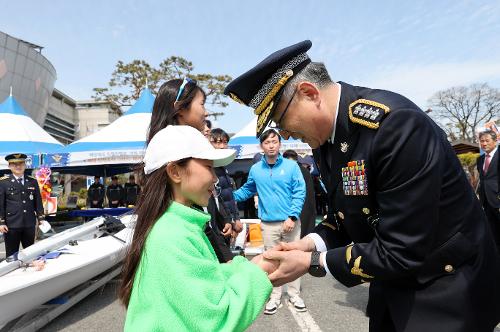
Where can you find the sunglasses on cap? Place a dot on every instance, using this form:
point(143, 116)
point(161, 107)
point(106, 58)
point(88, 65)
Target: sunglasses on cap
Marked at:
point(185, 81)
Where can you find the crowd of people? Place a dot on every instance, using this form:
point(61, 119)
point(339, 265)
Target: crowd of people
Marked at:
point(400, 216)
point(116, 195)
point(398, 210)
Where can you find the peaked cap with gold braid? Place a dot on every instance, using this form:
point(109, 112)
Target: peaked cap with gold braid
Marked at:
point(16, 157)
point(262, 86)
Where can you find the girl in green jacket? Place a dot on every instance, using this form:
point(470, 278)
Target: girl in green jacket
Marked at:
point(172, 280)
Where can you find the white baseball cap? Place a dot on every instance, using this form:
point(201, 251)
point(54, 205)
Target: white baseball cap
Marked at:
point(174, 143)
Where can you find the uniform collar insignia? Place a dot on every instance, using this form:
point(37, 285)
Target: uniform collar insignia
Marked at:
point(344, 146)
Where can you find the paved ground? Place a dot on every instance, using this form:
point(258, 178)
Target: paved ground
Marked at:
point(332, 307)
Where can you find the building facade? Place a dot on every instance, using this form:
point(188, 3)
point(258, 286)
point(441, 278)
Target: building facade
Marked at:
point(29, 73)
point(69, 120)
point(31, 77)
point(94, 115)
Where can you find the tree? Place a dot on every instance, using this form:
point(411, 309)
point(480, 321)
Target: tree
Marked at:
point(468, 161)
point(461, 109)
point(128, 80)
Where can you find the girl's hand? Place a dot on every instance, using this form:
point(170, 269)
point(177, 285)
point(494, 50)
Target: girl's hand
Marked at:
point(267, 265)
point(228, 228)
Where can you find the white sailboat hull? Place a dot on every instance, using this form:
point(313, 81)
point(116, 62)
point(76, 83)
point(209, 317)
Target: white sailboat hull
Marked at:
point(23, 289)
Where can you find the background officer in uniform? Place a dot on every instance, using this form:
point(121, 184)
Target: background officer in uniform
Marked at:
point(131, 191)
point(114, 193)
point(20, 205)
point(96, 193)
point(402, 215)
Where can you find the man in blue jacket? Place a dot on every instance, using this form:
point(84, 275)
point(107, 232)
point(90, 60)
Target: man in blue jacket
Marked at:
point(281, 190)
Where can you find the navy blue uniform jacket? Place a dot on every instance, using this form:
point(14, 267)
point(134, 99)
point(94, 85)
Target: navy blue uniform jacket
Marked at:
point(415, 231)
point(20, 205)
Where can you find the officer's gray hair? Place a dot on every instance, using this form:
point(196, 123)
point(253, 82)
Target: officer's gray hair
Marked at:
point(314, 72)
point(488, 132)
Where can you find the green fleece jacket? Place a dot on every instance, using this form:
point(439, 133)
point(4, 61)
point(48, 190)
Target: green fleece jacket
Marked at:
point(180, 286)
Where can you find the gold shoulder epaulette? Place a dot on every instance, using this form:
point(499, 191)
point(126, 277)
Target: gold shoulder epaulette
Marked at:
point(368, 113)
point(4, 177)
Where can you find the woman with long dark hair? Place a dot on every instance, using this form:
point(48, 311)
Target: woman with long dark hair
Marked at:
point(179, 102)
point(182, 102)
point(171, 278)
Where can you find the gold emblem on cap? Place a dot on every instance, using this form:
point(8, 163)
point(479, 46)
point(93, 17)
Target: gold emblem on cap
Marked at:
point(366, 210)
point(269, 97)
point(18, 155)
point(262, 117)
point(235, 98)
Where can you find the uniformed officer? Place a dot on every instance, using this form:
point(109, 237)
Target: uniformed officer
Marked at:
point(20, 205)
point(402, 215)
point(131, 190)
point(96, 193)
point(114, 193)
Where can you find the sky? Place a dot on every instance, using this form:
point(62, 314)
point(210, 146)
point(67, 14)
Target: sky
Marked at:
point(414, 48)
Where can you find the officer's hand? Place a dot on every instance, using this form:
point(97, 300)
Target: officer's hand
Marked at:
point(288, 225)
point(292, 265)
point(227, 229)
point(4, 229)
point(304, 244)
point(269, 266)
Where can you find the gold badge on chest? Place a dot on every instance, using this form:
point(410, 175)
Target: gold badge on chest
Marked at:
point(354, 180)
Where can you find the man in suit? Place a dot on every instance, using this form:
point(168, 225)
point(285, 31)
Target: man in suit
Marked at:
point(489, 181)
point(20, 205)
point(402, 215)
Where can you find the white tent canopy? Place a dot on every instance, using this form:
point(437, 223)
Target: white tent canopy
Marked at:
point(20, 134)
point(247, 145)
point(121, 142)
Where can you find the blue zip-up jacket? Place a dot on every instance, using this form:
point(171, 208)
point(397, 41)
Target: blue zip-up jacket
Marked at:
point(281, 189)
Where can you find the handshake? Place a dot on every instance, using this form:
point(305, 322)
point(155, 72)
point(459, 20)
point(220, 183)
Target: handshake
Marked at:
point(286, 262)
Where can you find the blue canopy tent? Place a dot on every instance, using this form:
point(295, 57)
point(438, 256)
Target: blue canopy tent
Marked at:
point(112, 150)
point(20, 134)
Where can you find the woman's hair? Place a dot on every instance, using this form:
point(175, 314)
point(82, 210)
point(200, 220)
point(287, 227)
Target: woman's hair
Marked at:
point(166, 109)
point(219, 134)
point(155, 198)
point(291, 154)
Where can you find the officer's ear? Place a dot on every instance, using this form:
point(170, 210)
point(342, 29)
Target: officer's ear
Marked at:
point(308, 92)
